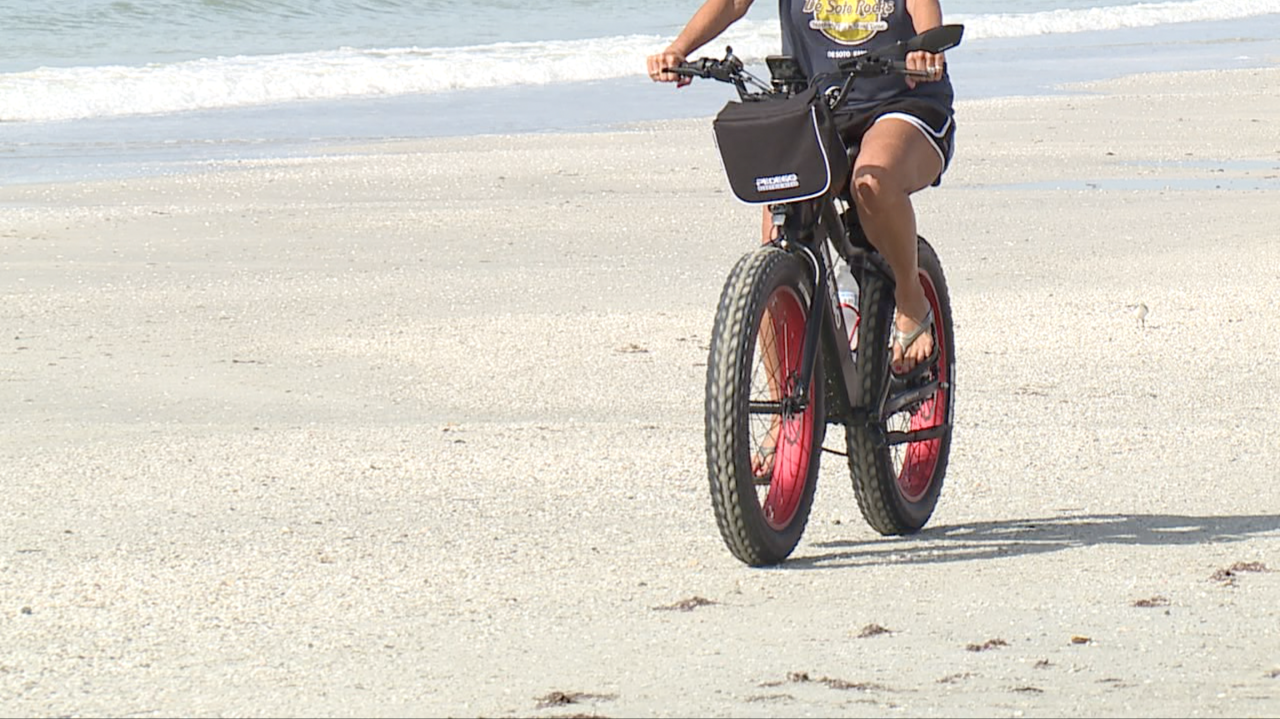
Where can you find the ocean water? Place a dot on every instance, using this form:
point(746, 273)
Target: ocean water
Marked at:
point(102, 88)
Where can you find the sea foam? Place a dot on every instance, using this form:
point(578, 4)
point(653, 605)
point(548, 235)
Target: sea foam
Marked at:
point(50, 93)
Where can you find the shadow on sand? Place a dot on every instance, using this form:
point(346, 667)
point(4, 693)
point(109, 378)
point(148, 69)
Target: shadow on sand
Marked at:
point(990, 540)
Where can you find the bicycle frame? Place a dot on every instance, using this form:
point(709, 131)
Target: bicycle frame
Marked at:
point(812, 229)
point(813, 239)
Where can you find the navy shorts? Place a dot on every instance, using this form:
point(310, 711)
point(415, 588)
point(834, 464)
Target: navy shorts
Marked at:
point(934, 120)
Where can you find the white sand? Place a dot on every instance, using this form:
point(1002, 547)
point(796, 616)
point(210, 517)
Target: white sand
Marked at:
point(417, 430)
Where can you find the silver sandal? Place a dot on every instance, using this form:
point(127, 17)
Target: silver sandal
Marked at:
point(906, 339)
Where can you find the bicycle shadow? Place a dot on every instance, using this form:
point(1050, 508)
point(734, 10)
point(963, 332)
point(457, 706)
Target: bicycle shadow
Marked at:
point(1013, 538)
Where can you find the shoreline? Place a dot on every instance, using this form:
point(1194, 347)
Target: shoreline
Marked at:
point(148, 160)
point(133, 146)
point(415, 428)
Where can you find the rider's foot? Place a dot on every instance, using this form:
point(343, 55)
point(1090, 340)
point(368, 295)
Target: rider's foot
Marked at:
point(762, 464)
point(762, 458)
point(912, 340)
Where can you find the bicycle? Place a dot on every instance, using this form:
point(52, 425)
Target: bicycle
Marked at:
point(776, 378)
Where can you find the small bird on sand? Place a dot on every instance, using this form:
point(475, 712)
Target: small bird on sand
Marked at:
point(1140, 311)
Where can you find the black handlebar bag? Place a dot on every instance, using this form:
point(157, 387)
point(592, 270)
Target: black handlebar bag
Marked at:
point(783, 150)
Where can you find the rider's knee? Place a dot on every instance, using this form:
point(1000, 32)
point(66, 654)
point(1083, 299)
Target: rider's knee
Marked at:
point(868, 187)
point(874, 185)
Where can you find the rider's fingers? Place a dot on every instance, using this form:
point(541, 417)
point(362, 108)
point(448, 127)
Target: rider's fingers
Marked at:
point(917, 61)
point(674, 59)
point(914, 64)
point(939, 65)
point(934, 64)
point(655, 65)
point(659, 63)
point(930, 64)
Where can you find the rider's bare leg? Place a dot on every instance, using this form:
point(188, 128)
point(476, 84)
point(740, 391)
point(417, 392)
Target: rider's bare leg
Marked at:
point(762, 461)
point(894, 161)
point(767, 230)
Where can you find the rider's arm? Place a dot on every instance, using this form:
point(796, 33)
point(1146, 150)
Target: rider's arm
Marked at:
point(706, 25)
point(925, 15)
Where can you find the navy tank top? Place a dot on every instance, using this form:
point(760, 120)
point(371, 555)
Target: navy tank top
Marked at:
point(821, 33)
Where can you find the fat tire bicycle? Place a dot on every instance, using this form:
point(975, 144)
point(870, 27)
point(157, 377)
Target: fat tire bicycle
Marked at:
point(784, 364)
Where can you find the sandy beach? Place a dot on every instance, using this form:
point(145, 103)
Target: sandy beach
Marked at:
point(416, 430)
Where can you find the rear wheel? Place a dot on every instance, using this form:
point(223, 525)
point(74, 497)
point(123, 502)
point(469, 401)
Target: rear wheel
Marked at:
point(762, 451)
point(898, 459)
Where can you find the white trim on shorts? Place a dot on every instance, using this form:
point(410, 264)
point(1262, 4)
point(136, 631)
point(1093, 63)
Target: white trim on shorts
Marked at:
point(929, 133)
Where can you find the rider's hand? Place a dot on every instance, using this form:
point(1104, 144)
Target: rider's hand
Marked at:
point(658, 64)
point(934, 64)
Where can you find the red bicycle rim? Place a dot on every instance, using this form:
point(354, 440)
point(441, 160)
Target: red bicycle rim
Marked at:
point(794, 444)
point(920, 459)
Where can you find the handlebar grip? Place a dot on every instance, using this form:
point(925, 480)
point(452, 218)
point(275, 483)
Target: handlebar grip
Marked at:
point(900, 67)
point(700, 68)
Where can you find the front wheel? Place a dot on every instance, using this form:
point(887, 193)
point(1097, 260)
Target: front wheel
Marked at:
point(898, 455)
point(763, 450)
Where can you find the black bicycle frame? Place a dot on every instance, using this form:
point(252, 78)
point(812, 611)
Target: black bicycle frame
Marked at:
point(805, 230)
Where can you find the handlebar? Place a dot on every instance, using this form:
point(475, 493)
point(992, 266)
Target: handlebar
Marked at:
point(730, 70)
point(887, 61)
point(725, 70)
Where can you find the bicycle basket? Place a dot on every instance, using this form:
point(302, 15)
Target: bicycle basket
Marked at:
point(784, 150)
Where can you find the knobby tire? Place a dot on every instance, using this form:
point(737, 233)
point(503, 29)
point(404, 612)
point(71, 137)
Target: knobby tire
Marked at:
point(761, 530)
point(897, 488)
